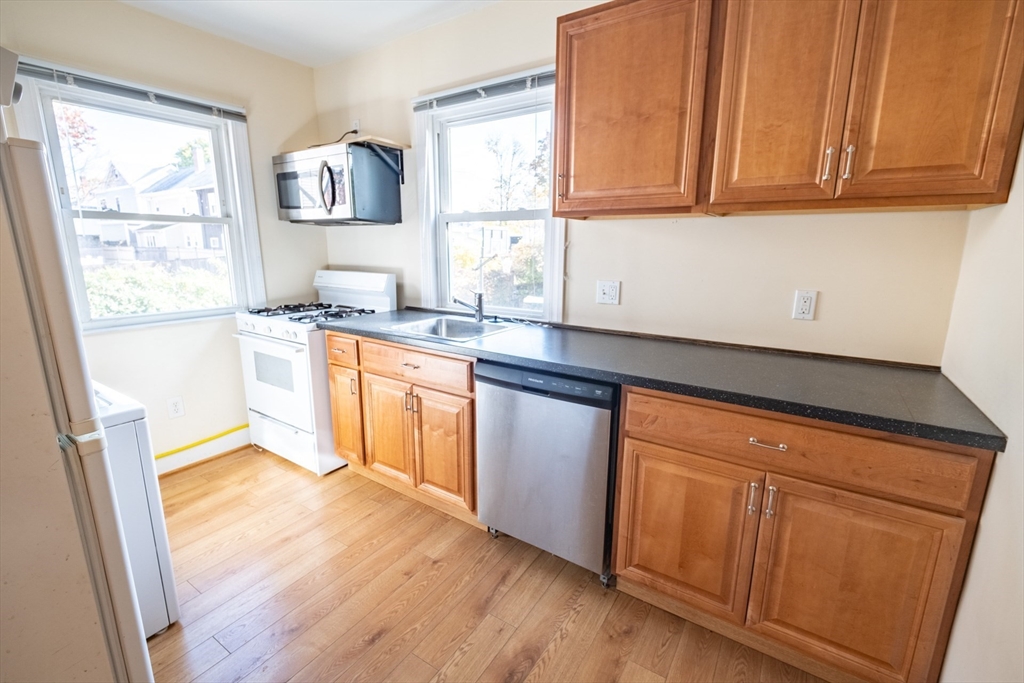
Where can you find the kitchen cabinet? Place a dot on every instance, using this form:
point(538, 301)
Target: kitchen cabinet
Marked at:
point(841, 552)
point(346, 412)
point(629, 106)
point(414, 412)
point(868, 103)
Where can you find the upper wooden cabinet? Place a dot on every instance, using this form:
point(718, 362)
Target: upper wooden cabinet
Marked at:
point(860, 104)
point(629, 105)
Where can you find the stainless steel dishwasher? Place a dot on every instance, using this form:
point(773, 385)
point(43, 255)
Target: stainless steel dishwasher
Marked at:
point(544, 466)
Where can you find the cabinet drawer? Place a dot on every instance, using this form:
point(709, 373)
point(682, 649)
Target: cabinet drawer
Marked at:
point(342, 350)
point(904, 471)
point(413, 365)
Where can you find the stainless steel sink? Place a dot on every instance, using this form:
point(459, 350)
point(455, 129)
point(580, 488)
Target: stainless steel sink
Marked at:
point(450, 328)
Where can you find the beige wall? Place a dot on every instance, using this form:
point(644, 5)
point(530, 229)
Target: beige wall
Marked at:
point(886, 279)
point(984, 357)
point(198, 361)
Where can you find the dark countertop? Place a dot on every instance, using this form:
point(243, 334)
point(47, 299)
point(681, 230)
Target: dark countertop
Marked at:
point(900, 400)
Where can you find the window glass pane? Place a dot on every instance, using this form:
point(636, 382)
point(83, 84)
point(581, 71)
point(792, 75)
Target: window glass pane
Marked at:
point(500, 165)
point(502, 259)
point(137, 268)
point(120, 162)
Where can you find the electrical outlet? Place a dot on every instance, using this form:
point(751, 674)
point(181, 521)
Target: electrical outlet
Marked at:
point(804, 304)
point(355, 126)
point(608, 292)
point(175, 407)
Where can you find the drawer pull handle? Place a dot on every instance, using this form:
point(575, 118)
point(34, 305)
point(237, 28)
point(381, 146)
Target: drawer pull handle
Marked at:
point(352, 385)
point(410, 365)
point(339, 350)
point(828, 163)
point(769, 512)
point(781, 447)
point(751, 503)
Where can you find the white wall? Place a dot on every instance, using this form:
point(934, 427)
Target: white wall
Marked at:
point(197, 361)
point(886, 279)
point(984, 357)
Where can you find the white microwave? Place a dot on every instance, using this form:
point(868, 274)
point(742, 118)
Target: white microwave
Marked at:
point(348, 183)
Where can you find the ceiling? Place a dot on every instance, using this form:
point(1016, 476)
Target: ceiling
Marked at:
point(310, 32)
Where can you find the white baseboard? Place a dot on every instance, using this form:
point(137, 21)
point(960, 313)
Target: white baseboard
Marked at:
point(203, 451)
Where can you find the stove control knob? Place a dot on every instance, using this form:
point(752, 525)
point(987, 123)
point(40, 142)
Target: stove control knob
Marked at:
point(295, 335)
point(268, 329)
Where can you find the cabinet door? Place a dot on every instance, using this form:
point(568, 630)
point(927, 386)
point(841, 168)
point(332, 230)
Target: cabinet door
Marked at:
point(854, 580)
point(687, 525)
point(346, 413)
point(388, 426)
point(935, 85)
point(782, 100)
point(629, 105)
point(444, 446)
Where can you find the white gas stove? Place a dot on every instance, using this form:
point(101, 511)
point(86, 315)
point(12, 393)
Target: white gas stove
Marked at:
point(284, 364)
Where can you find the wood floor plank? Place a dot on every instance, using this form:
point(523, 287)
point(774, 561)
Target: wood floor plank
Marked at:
point(737, 663)
point(412, 669)
point(571, 642)
point(474, 654)
point(449, 533)
point(614, 644)
point(774, 671)
point(400, 641)
point(350, 596)
point(238, 600)
point(185, 668)
point(442, 642)
point(634, 673)
point(186, 591)
point(518, 603)
point(658, 642)
point(696, 656)
point(515, 661)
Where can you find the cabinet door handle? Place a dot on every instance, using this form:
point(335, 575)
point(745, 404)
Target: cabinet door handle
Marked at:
point(768, 511)
point(560, 194)
point(827, 175)
point(751, 502)
point(352, 385)
point(410, 365)
point(848, 173)
point(415, 398)
point(408, 399)
point(781, 447)
point(338, 350)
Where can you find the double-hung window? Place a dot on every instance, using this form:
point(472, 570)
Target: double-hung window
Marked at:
point(155, 201)
point(491, 228)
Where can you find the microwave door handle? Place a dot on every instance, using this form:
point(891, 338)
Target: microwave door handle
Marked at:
point(325, 169)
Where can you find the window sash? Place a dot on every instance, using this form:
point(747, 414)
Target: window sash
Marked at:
point(234, 185)
point(481, 111)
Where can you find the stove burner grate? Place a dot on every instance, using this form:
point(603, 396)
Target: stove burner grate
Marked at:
point(336, 313)
point(289, 309)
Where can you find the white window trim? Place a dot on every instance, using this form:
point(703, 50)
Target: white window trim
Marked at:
point(235, 184)
point(431, 159)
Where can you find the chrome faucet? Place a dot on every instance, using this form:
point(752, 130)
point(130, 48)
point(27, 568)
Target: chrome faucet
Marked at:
point(478, 309)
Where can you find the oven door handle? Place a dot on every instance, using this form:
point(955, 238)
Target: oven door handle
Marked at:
point(271, 340)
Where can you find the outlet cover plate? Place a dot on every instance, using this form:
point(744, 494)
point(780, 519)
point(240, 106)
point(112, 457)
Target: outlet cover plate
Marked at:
point(804, 304)
point(608, 292)
point(175, 407)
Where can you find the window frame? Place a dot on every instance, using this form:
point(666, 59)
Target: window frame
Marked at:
point(481, 111)
point(230, 157)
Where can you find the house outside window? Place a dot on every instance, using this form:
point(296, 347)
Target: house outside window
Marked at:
point(492, 231)
point(141, 187)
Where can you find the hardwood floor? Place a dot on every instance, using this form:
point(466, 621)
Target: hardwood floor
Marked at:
point(286, 576)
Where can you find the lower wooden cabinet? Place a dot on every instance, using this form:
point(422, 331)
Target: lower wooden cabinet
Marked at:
point(346, 412)
point(689, 530)
point(859, 581)
point(421, 437)
point(770, 549)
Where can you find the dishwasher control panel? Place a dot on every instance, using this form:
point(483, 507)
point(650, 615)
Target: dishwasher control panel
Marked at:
point(542, 382)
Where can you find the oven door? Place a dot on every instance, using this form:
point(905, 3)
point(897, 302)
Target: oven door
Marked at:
point(314, 189)
point(277, 380)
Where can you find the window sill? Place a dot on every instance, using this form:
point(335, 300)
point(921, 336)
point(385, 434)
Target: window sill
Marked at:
point(133, 326)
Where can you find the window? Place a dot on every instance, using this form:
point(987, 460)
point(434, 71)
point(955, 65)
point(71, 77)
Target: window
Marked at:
point(493, 231)
point(151, 204)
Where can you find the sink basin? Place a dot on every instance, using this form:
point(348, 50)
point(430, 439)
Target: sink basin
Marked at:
point(450, 328)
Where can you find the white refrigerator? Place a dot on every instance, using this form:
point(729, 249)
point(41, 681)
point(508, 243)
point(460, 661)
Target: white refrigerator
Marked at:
point(68, 606)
